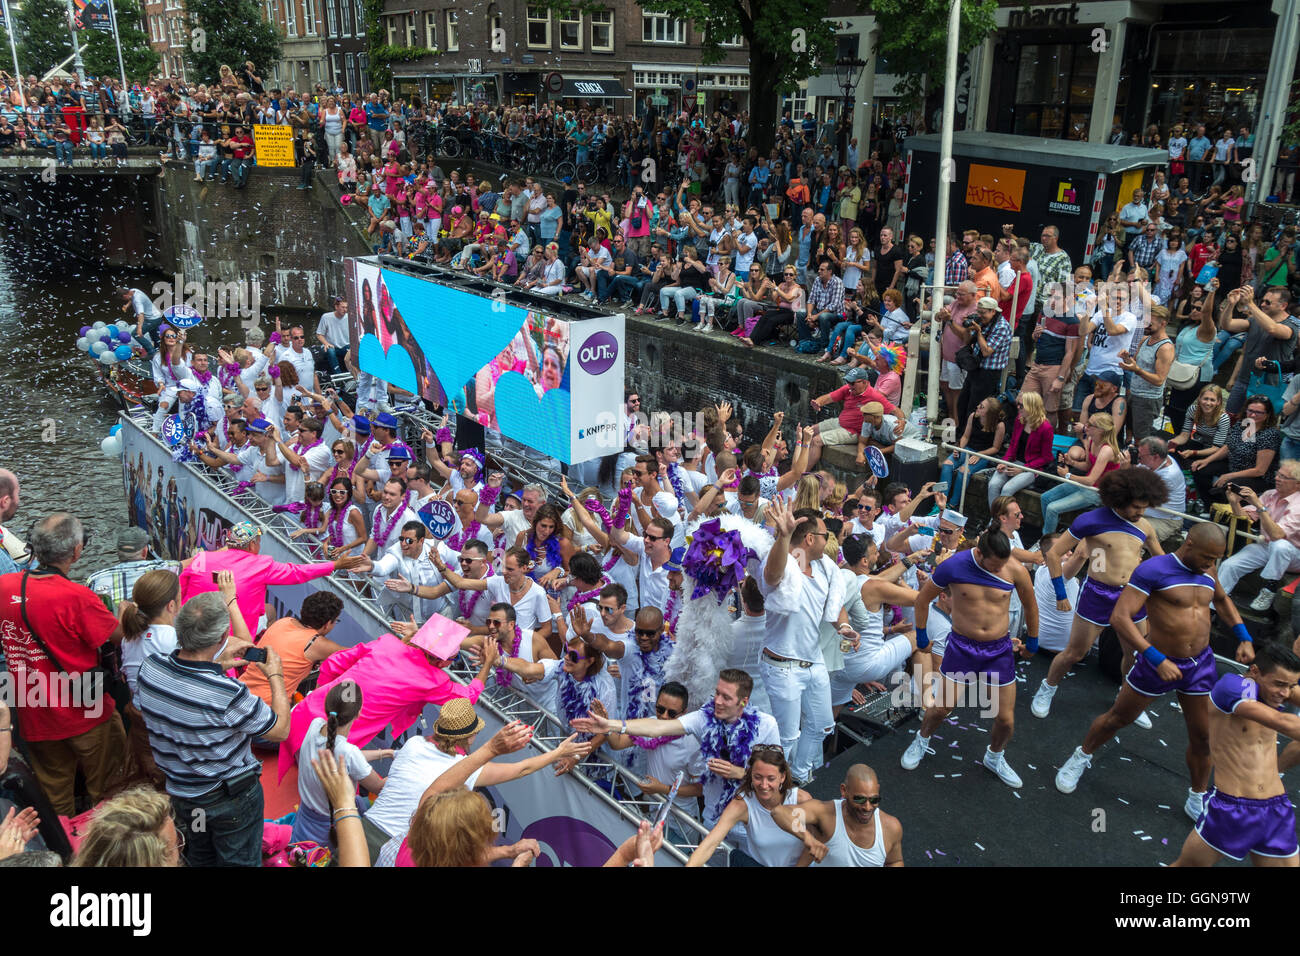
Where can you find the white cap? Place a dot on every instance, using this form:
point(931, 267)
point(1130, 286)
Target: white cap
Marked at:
point(953, 517)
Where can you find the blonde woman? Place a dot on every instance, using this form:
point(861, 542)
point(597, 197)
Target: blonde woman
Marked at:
point(856, 257)
point(1031, 446)
point(1101, 447)
point(808, 494)
point(333, 119)
point(723, 290)
point(1205, 429)
point(133, 829)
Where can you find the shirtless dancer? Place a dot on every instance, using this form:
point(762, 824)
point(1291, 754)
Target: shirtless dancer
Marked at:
point(1248, 810)
point(980, 582)
point(856, 833)
point(1176, 590)
point(1114, 536)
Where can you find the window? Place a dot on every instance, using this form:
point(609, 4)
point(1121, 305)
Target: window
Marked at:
point(453, 31)
point(539, 28)
point(737, 41)
point(359, 17)
point(291, 18)
point(352, 72)
point(331, 18)
point(391, 23)
point(846, 47)
point(364, 60)
point(309, 18)
point(658, 28)
point(336, 63)
point(571, 30)
point(797, 104)
point(412, 33)
point(495, 24)
point(346, 23)
point(431, 30)
point(602, 30)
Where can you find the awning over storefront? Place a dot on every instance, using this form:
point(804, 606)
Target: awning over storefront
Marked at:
point(595, 89)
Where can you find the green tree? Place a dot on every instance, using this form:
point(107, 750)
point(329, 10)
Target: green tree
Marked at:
point(230, 32)
point(914, 41)
point(100, 53)
point(43, 37)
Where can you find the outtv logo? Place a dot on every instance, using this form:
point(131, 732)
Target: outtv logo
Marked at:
point(598, 353)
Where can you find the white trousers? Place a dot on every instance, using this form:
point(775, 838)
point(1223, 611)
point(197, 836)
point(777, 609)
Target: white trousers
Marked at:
point(796, 692)
point(1275, 557)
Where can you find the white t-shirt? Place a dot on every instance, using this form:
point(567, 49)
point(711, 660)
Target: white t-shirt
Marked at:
point(652, 584)
point(745, 246)
point(417, 765)
point(531, 611)
point(1104, 350)
point(271, 492)
point(606, 691)
point(309, 786)
point(1053, 625)
point(302, 362)
point(317, 460)
point(695, 725)
point(679, 753)
point(797, 606)
point(158, 639)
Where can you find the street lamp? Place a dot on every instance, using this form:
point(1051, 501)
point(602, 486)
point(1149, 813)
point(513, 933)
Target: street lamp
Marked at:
point(848, 70)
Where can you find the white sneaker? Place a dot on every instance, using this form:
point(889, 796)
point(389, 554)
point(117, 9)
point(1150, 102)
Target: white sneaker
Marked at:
point(1067, 778)
point(1263, 601)
point(1194, 805)
point(1042, 702)
point(998, 764)
point(1143, 721)
point(916, 750)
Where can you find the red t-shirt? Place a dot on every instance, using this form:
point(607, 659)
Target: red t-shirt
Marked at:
point(851, 416)
point(240, 146)
point(74, 623)
point(1018, 293)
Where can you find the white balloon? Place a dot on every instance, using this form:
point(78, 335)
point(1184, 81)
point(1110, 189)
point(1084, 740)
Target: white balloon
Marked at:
point(107, 358)
point(83, 343)
point(98, 348)
point(97, 326)
point(111, 447)
point(123, 324)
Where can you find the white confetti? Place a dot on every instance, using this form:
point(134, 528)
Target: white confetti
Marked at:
point(1146, 838)
point(1017, 793)
point(1122, 800)
point(981, 848)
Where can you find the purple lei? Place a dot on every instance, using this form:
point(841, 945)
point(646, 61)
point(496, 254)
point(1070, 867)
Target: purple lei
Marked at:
point(467, 608)
point(651, 743)
point(381, 532)
point(610, 562)
point(201, 377)
point(675, 479)
point(504, 676)
point(738, 741)
point(488, 497)
point(624, 507)
point(335, 528)
point(649, 674)
point(554, 557)
point(672, 611)
point(466, 535)
point(582, 597)
point(229, 374)
point(575, 698)
point(596, 508)
point(311, 515)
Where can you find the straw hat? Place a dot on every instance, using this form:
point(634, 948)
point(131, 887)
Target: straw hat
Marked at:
point(457, 719)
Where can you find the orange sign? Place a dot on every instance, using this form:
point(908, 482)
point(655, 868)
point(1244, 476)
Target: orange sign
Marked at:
point(995, 187)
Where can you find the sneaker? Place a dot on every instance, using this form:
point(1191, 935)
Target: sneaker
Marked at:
point(1143, 721)
point(1042, 703)
point(916, 750)
point(998, 764)
point(1194, 805)
point(1263, 601)
point(1067, 778)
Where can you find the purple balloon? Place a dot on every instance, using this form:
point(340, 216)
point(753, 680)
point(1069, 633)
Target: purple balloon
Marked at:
point(123, 335)
point(85, 330)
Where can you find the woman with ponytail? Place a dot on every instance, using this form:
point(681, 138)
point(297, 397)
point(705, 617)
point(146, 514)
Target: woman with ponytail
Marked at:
point(342, 707)
point(147, 625)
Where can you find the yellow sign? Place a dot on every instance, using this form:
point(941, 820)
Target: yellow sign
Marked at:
point(995, 187)
point(274, 145)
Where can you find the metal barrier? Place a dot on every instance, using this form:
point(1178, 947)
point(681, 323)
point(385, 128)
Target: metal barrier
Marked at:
point(504, 703)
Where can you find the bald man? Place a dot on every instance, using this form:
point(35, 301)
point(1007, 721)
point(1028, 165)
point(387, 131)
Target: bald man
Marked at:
point(12, 549)
point(856, 831)
point(1176, 590)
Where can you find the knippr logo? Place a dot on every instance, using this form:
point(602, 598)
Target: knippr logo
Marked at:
point(598, 353)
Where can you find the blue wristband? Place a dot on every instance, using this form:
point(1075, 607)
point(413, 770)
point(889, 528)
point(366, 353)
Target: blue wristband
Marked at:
point(922, 638)
point(1154, 657)
point(1032, 644)
point(1243, 635)
point(1058, 585)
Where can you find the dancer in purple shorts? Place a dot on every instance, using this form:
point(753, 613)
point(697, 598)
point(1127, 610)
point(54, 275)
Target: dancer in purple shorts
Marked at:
point(1176, 591)
point(1115, 535)
point(1248, 811)
point(979, 648)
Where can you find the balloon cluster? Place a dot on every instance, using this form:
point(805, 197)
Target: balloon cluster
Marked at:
point(112, 445)
point(110, 344)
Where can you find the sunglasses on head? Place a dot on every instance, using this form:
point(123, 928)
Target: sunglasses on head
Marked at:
point(668, 712)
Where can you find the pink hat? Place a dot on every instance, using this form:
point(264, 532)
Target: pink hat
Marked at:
point(440, 636)
point(456, 210)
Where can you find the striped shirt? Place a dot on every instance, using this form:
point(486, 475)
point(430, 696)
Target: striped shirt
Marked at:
point(1207, 435)
point(200, 723)
point(117, 583)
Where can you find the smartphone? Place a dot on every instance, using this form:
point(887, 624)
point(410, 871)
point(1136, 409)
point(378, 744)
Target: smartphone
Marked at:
point(214, 576)
point(255, 655)
point(941, 488)
point(929, 532)
point(662, 815)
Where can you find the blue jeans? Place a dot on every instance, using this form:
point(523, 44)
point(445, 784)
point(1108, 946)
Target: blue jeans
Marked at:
point(626, 287)
point(951, 473)
point(1065, 497)
point(1290, 448)
point(850, 332)
point(1082, 391)
point(98, 151)
point(240, 167)
point(334, 358)
point(224, 830)
point(63, 153)
point(1225, 346)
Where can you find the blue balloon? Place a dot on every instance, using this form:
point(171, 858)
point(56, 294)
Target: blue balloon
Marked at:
point(123, 352)
point(115, 429)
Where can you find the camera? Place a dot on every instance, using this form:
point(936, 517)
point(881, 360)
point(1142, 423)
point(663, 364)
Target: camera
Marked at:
point(255, 655)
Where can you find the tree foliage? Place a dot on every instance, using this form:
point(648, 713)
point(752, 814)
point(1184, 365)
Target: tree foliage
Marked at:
point(43, 37)
point(914, 40)
point(230, 32)
point(100, 53)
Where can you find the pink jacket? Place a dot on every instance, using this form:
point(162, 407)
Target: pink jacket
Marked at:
point(397, 682)
point(1038, 448)
point(253, 574)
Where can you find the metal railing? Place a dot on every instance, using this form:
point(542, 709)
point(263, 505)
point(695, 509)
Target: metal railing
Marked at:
point(504, 703)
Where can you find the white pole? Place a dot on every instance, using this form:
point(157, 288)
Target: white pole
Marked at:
point(947, 172)
point(76, 47)
point(13, 48)
point(117, 39)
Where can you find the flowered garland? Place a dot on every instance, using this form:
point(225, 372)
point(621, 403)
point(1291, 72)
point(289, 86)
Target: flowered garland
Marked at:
point(672, 611)
point(201, 377)
point(575, 698)
point(504, 677)
point(649, 668)
point(738, 743)
point(381, 532)
point(582, 597)
point(335, 527)
point(554, 556)
point(467, 609)
point(444, 435)
point(229, 374)
point(488, 497)
point(466, 535)
point(598, 509)
point(624, 507)
point(675, 479)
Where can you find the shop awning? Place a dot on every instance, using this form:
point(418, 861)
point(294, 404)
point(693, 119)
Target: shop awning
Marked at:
point(595, 89)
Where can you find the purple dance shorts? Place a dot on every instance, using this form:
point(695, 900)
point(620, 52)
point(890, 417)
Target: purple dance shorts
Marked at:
point(1097, 601)
point(966, 660)
point(1199, 675)
point(1237, 826)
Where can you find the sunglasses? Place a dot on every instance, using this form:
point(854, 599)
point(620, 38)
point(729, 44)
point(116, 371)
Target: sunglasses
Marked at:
point(338, 451)
point(646, 631)
point(862, 801)
point(668, 712)
point(409, 540)
point(573, 657)
point(607, 610)
point(263, 388)
point(339, 493)
point(656, 538)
